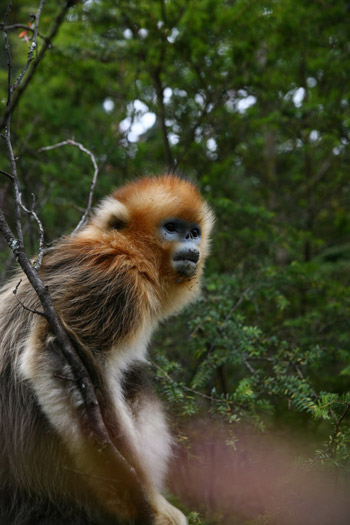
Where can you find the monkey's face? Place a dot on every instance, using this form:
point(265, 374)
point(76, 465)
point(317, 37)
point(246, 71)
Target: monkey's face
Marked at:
point(160, 226)
point(185, 238)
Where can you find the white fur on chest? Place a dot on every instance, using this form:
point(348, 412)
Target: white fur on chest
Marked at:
point(145, 431)
point(124, 355)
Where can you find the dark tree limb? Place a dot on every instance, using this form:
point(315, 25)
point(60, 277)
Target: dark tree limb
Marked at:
point(162, 116)
point(158, 84)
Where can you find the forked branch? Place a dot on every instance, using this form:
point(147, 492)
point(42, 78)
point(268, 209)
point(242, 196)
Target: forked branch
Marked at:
point(71, 142)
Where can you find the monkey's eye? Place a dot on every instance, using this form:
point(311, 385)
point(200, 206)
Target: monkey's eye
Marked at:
point(117, 224)
point(195, 233)
point(170, 227)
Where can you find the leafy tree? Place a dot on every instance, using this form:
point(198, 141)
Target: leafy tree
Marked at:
point(251, 99)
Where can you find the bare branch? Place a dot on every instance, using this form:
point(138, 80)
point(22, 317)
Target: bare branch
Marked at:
point(7, 135)
point(26, 27)
point(7, 174)
point(33, 311)
point(249, 366)
point(7, 233)
point(47, 43)
point(18, 214)
point(9, 263)
point(9, 63)
point(244, 295)
point(71, 142)
point(32, 212)
point(32, 47)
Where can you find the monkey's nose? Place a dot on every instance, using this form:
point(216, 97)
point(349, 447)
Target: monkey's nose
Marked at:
point(191, 254)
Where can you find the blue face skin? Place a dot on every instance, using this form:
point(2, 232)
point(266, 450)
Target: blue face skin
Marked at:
point(186, 237)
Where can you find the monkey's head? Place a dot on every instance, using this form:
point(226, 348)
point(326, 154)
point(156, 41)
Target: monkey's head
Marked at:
point(161, 224)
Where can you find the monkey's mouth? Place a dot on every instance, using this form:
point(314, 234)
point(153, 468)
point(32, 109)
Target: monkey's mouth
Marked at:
point(185, 263)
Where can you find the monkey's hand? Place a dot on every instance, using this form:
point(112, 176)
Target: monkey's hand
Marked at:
point(165, 513)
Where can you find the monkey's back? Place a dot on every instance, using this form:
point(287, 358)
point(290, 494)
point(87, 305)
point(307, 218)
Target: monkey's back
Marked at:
point(35, 479)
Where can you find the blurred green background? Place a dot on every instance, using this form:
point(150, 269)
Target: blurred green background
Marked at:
point(251, 100)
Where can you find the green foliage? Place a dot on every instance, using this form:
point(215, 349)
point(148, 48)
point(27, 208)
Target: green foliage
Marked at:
point(246, 372)
point(251, 99)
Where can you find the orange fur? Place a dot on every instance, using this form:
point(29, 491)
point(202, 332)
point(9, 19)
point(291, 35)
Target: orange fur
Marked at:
point(111, 283)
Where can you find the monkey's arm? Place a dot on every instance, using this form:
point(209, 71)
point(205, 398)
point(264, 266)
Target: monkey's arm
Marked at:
point(107, 475)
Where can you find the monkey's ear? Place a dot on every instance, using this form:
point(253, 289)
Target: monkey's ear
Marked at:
point(116, 223)
point(111, 214)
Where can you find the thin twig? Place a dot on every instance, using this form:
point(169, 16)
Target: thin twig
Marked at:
point(249, 366)
point(7, 135)
point(8, 55)
point(197, 393)
point(71, 142)
point(31, 310)
point(24, 26)
point(240, 300)
point(346, 410)
point(32, 48)
point(32, 212)
point(47, 43)
point(7, 174)
point(15, 181)
point(333, 439)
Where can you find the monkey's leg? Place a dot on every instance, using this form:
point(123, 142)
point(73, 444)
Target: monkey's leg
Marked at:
point(150, 436)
